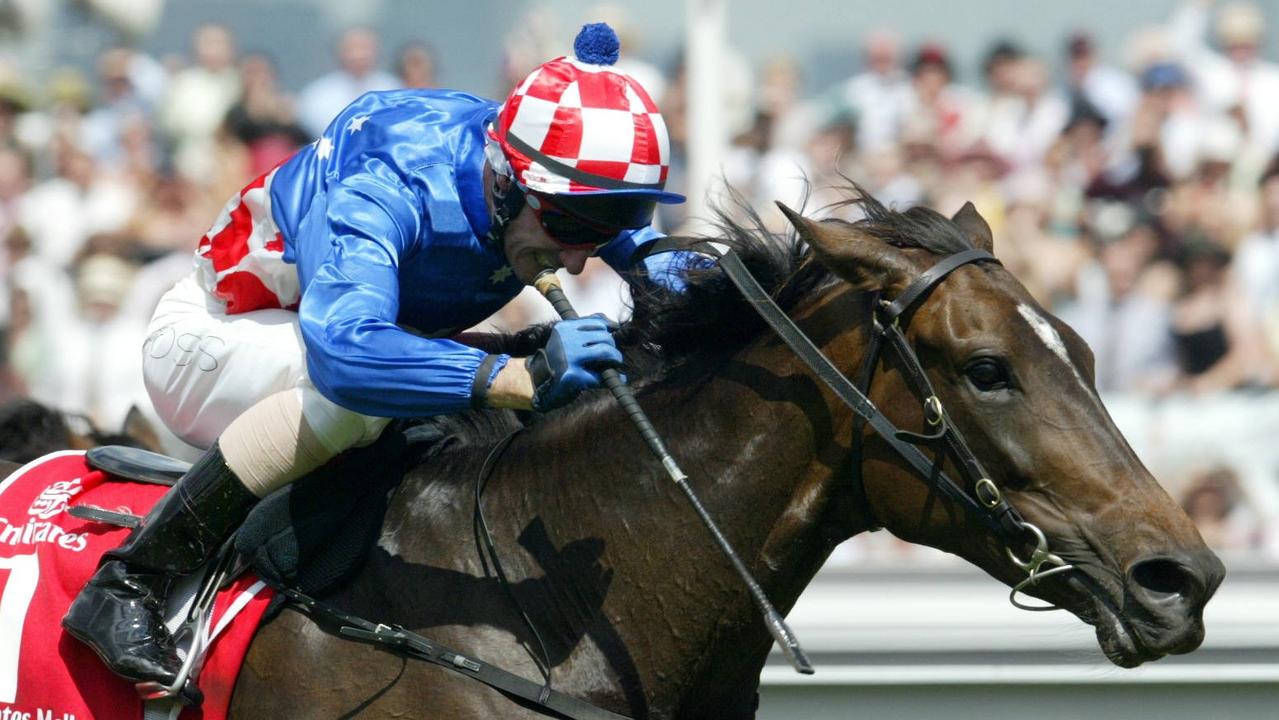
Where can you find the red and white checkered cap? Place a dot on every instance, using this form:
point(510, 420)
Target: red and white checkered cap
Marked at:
point(579, 127)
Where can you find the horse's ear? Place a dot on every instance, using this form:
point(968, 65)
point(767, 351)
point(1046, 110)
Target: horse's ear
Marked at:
point(139, 428)
point(974, 227)
point(864, 261)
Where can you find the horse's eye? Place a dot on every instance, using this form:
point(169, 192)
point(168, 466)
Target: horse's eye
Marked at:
point(987, 374)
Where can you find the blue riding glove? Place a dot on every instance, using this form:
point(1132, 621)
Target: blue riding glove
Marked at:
point(572, 360)
point(670, 269)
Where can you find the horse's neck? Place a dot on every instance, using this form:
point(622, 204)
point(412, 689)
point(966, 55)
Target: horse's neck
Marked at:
point(763, 445)
point(778, 449)
point(619, 573)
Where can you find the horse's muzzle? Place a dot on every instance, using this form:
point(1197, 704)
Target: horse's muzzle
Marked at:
point(1164, 598)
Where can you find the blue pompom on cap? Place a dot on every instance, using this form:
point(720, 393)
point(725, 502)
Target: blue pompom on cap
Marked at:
point(597, 44)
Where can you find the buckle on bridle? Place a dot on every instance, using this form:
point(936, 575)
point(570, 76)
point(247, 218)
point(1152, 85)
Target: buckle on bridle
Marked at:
point(883, 306)
point(989, 496)
point(933, 411)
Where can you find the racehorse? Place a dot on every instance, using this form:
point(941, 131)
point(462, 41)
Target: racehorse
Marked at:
point(635, 610)
point(29, 430)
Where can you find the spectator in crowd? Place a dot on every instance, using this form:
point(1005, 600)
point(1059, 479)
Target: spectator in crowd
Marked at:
point(1109, 91)
point(1255, 271)
point(1076, 163)
point(976, 174)
point(1199, 317)
point(781, 104)
point(1026, 117)
point(884, 174)
point(105, 378)
point(1236, 80)
point(1139, 170)
point(131, 84)
point(1046, 260)
point(15, 182)
point(41, 308)
point(1214, 501)
point(198, 99)
point(15, 100)
point(1207, 201)
point(999, 68)
point(811, 176)
point(168, 216)
point(1119, 312)
point(263, 118)
point(937, 106)
point(415, 65)
point(358, 57)
point(879, 96)
point(60, 213)
point(618, 16)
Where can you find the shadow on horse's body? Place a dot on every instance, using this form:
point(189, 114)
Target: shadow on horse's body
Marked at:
point(639, 612)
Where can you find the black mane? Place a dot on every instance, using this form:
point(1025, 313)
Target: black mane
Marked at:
point(916, 227)
point(711, 321)
point(683, 337)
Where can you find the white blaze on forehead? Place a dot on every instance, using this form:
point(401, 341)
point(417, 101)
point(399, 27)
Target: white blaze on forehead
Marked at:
point(1048, 334)
point(1045, 331)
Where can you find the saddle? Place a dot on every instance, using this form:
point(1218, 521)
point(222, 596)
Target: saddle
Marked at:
point(306, 539)
point(311, 535)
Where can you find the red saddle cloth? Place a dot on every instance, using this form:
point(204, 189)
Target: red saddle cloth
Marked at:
point(46, 556)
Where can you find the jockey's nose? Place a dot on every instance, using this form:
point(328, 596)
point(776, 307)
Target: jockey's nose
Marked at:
point(574, 260)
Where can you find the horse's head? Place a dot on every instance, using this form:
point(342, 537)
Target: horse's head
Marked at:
point(1017, 385)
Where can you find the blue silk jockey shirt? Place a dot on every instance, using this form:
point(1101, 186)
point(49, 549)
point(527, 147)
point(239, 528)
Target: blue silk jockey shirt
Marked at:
point(385, 219)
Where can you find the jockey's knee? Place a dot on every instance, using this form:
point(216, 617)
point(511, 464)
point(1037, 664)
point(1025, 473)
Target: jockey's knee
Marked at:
point(289, 434)
point(336, 427)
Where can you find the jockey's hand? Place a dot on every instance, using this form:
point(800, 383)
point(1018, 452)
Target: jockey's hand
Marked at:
point(577, 351)
point(670, 269)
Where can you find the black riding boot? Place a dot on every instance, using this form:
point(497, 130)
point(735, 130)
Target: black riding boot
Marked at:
point(118, 613)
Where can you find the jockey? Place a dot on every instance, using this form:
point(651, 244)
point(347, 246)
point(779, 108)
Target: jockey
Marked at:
point(324, 292)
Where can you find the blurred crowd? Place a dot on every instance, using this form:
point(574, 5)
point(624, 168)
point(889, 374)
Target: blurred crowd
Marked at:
point(1138, 200)
point(108, 182)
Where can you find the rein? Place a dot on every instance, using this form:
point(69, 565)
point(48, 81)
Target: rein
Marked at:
point(986, 503)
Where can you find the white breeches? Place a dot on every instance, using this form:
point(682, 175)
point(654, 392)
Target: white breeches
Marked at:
point(204, 368)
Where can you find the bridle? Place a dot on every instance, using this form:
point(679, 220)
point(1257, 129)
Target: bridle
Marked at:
point(985, 503)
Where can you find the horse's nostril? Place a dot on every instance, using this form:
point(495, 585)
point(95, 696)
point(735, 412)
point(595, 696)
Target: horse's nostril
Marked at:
point(1163, 576)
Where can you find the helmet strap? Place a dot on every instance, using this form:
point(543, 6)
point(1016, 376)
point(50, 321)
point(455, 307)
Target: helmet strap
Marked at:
point(508, 200)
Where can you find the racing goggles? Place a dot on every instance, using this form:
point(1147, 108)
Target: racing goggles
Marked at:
point(588, 220)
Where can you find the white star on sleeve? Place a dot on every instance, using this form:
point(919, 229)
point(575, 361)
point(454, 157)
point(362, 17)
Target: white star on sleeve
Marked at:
point(324, 148)
point(500, 275)
point(357, 124)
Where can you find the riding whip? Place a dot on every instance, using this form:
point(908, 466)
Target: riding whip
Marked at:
point(548, 284)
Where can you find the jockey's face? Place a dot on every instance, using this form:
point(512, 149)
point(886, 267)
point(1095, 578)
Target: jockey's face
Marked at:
point(529, 249)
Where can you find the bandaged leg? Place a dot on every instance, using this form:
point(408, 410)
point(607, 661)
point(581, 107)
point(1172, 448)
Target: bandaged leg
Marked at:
point(289, 434)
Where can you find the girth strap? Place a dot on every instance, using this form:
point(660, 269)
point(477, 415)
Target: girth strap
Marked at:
point(409, 644)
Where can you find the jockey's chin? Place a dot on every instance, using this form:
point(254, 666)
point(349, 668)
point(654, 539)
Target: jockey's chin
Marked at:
point(530, 250)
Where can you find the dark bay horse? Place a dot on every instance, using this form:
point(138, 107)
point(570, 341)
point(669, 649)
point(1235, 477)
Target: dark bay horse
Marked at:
point(638, 611)
point(29, 430)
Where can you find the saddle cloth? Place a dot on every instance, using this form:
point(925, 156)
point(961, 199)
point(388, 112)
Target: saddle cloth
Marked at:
point(46, 556)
